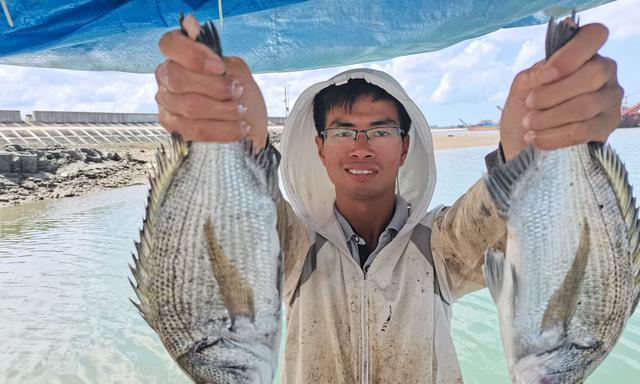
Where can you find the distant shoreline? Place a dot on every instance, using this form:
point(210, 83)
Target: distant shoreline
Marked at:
point(80, 178)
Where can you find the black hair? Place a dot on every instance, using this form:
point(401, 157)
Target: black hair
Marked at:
point(344, 95)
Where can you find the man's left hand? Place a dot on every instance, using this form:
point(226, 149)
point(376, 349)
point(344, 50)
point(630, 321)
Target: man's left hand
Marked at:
point(571, 99)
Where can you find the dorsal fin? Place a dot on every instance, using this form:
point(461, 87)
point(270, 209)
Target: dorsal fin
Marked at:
point(501, 180)
point(619, 179)
point(167, 162)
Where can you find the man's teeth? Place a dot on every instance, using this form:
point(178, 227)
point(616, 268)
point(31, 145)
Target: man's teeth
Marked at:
point(359, 171)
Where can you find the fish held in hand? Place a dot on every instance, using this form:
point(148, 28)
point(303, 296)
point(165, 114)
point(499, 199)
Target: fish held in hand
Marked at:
point(570, 275)
point(208, 266)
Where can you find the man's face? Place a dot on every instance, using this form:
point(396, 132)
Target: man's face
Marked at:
point(361, 169)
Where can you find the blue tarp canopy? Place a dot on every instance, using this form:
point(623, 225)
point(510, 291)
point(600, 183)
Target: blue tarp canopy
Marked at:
point(273, 36)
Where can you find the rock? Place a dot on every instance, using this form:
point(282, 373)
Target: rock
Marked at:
point(93, 159)
point(29, 185)
point(77, 155)
point(48, 165)
point(91, 155)
point(62, 161)
point(29, 163)
point(113, 156)
point(15, 148)
point(130, 157)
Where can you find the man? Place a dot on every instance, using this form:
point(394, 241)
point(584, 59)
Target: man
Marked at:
point(370, 275)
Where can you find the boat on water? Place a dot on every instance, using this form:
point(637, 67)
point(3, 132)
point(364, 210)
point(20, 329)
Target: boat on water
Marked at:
point(630, 116)
point(484, 125)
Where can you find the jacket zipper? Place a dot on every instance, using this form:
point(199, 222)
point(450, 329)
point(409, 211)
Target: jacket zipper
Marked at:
point(365, 330)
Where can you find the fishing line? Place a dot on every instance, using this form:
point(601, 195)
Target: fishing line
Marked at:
point(8, 15)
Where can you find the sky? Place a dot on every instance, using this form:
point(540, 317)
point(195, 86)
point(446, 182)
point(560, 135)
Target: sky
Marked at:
point(465, 81)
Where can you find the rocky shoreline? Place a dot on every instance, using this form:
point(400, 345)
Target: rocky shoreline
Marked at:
point(31, 174)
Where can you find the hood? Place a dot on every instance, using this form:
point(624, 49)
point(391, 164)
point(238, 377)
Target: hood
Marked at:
point(305, 182)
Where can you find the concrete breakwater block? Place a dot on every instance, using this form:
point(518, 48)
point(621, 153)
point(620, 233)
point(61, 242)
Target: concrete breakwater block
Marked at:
point(28, 162)
point(48, 165)
point(18, 162)
point(6, 162)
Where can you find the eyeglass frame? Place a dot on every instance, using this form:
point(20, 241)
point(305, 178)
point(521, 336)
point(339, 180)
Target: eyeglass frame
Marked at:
point(324, 132)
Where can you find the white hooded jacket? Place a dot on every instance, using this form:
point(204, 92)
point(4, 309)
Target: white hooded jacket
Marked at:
point(390, 324)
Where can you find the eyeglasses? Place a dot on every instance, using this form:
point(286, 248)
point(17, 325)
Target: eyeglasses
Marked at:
point(380, 134)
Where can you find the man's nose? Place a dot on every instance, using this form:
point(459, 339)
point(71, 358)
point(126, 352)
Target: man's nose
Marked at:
point(361, 147)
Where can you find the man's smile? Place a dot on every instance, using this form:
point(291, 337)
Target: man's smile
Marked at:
point(361, 171)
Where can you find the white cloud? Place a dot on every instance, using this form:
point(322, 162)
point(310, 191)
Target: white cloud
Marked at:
point(621, 17)
point(530, 52)
point(29, 89)
point(443, 90)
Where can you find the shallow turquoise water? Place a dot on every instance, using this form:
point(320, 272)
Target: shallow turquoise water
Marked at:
point(65, 315)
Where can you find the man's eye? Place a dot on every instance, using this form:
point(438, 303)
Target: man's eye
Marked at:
point(381, 133)
point(343, 134)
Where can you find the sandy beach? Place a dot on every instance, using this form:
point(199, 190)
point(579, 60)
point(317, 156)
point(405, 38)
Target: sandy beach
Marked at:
point(134, 161)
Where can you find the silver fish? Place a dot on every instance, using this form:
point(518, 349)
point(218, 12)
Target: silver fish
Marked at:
point(571, 275)
point(208, 266)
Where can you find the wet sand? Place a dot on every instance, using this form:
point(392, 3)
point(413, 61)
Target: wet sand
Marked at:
point(79, 178)
point(461, 138)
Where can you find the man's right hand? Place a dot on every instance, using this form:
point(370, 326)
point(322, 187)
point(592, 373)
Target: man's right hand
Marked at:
point(204, 98)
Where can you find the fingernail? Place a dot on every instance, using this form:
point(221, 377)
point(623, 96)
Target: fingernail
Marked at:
point(529, 137)
point(213, 66)
point(244, 127)
point(236, 89)
point(526, 122)
point(241, 109)
point(549, 75)
point(529, 100)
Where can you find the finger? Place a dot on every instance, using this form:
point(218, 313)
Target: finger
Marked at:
point(526, 80)
point(179, 79)
point(584, 45)
point(596, 129)
point(203, 129)
point(190, 54)
point(580, 108)
point(588, 78)
point(197, 106)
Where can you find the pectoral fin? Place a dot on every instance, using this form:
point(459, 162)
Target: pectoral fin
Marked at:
point(493, 270)
point(500, 276)
point(564, 301)
point(236, 291)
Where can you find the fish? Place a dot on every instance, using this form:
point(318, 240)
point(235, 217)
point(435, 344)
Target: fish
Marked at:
point(568, 278)
point(208, 263)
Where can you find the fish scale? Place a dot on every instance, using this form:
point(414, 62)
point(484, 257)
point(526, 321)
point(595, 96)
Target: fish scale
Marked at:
point(569, 277)
point(208, 266)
